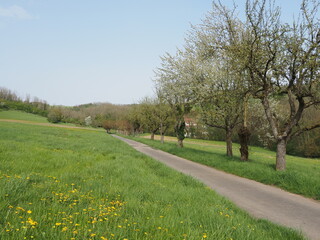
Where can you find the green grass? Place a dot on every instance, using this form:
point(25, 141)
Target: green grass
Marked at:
point(18, 115)
point(23, 116)
point(302, 175)
point(60, 183)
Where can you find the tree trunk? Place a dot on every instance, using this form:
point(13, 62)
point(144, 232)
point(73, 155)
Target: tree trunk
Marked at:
point(161, 133)
point(281, 154)
point(152, 136)
point(229, 142)
point(162, 138)
point(180, 129)
point(244, 135)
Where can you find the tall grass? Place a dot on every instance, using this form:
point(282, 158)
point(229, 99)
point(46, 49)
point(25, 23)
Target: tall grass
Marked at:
point(76, 184)
point(302, 175)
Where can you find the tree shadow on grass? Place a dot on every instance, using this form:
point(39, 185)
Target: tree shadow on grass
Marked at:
point(215, 159)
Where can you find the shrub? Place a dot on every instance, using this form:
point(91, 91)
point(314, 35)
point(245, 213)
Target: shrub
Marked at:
point(55, 115)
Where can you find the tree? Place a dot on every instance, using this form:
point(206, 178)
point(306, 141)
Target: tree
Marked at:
point(172, 83)
point(152, 114)
point(283, 62)
point(55, 115)
point(220, 86)
point(164, 115)
point(148, 116)
point(108, 125)
point(133, 117)
point(218, 100)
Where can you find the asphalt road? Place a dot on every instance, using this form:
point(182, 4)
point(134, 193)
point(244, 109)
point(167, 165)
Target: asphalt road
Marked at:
point(259, 200)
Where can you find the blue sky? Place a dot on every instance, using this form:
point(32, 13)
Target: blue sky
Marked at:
point(73, 52)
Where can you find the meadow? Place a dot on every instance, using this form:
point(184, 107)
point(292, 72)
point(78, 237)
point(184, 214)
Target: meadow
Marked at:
point(18, 115)
point(58, 183)
point(302, 175)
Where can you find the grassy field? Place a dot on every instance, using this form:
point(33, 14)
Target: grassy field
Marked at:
point(18, 115)
point(58, 183)
point(302, 175)
point(28, 118)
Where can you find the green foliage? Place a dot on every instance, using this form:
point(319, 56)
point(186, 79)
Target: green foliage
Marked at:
point(307, 144)
point(55, 115)
point(61, 184)
point(225, 59)
point(23, 106)
point(10, 101)
point(108, 125)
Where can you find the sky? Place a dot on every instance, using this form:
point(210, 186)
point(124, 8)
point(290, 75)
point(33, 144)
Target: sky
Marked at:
point(72, 52)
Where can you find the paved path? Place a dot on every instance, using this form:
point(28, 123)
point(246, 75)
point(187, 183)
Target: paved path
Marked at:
point(261, 201)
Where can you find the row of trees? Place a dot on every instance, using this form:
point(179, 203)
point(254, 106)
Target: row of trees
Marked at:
point(98, 113)
point(10, 100)
point(151, 115)
point(228, 66)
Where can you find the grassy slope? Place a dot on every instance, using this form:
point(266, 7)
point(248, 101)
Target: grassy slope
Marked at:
point(75, 184)
point(302, 175)
point(18, 115)
point(32, 118)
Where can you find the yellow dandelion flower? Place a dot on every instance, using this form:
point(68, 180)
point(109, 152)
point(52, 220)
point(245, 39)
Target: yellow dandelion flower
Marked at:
point(32, 222)
point(29, 211)
point(58, 224)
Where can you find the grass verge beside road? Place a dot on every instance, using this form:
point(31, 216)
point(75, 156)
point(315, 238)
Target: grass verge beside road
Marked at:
point(60, 183)
point(302, 175)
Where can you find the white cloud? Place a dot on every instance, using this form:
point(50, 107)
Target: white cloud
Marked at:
point(15, 12)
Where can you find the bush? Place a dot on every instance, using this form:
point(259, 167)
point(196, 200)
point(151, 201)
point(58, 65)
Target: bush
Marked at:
point(55, 115)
